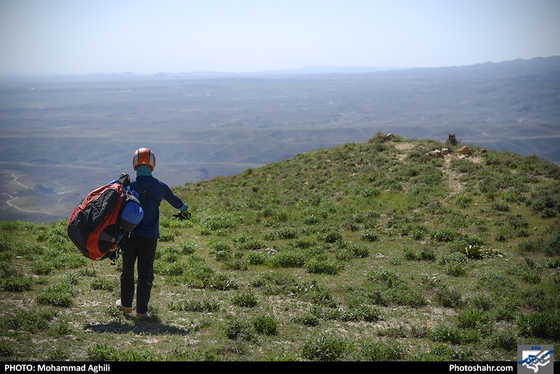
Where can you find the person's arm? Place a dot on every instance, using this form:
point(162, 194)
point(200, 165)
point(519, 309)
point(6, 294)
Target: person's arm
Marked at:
point(173, 199)
point(176, 202)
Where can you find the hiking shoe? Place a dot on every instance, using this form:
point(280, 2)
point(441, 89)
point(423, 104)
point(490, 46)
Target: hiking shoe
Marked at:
point(142, 317)
point(124, 309)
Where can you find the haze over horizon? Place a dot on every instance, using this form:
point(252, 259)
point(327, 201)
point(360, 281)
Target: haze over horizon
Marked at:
point(65, 37)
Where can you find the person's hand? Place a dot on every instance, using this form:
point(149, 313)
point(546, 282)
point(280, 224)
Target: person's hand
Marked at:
point(182, 215)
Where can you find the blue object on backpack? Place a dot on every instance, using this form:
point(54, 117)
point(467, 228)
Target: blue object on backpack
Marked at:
point(132, 213)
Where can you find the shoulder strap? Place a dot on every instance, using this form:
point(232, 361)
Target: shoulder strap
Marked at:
point(146, 194)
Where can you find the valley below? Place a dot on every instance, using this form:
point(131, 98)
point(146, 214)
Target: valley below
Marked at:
point(61, 137)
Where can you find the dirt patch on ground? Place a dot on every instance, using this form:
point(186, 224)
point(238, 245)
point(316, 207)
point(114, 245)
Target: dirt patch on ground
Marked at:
point(453, 177)
point(405, 146)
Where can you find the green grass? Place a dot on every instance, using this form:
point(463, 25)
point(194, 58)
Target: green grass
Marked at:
point(370, 251)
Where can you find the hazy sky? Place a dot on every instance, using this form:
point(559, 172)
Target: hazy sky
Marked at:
point(151, 36)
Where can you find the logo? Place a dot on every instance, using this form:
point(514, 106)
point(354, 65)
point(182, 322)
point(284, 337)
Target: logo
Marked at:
point(533, 359)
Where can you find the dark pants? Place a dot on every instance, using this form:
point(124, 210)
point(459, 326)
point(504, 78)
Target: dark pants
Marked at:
point(143, 249)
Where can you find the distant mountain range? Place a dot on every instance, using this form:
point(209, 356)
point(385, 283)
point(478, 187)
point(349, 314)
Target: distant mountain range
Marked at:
point(308, 70)
point(514, 66)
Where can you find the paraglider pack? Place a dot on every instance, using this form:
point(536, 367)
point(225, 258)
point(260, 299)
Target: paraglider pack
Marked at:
point(100, 224)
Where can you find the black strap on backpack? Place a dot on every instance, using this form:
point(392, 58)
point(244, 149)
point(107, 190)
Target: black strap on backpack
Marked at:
point(144, 193)
point(114, 255)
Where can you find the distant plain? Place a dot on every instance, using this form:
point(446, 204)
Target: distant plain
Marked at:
point(63, 136)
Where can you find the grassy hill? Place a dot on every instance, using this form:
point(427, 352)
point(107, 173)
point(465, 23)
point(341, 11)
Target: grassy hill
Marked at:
point(371, 251)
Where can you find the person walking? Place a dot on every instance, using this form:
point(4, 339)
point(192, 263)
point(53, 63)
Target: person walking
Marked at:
point(142, 243)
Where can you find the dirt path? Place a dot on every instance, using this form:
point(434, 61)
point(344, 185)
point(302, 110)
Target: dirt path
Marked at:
point(12, 198)
point(453, 177)
point(15, 180)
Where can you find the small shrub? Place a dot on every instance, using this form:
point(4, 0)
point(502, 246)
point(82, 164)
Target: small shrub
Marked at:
point(463, 200)
point(302, 243)
point(379, 351)
point(286, 233)
point(255, 258)
point(545, 325)
point(463, 241)
point(505, 340)
point(500, 207)
point(496, 282)
point(193, 305)
point(454, 264)
point(166, 235)
point(503, 234)
point(169, 269)
point(197, 273)
point(220, 250)
point(319, 296)
point(369, 235)
point(384, 276)
point(221, 282)
point(325, 348)
point(528, 272)
point(361, 191)
point(549, 246)
point(42, 268)
point(60, 294)
point(66, 260)
point(238, 329)
point(219, 222)
point(448, 297)
point(287, 260)
point(472, 251)
point(313, 219)
point(7, 351)
point(453, 335)
point(7, 271)
point(306, 319)
point(247, 242)
point(103, 284)
point(428, 254)
point(17, 284)
point(5, 245)
point(482, 302)
point(247, 300)
point(103, 352)
point(409, 254)
point(444, 235)
point(265, 325)
point(187, 248)
point(455, 269)
point(369, 313)
point(544, 202)
point(418, 233)
point(63, 328)
point(403, 296)
point(476, 319)
point(357, 251)
point(443, 352)
point(323, 266)
point(359, 311)
point(330, 236)
point(29, 321)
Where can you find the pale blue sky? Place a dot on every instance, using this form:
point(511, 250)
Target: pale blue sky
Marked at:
point(171, 36)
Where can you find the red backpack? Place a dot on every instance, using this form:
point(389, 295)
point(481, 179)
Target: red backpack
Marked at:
point(103, 218)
